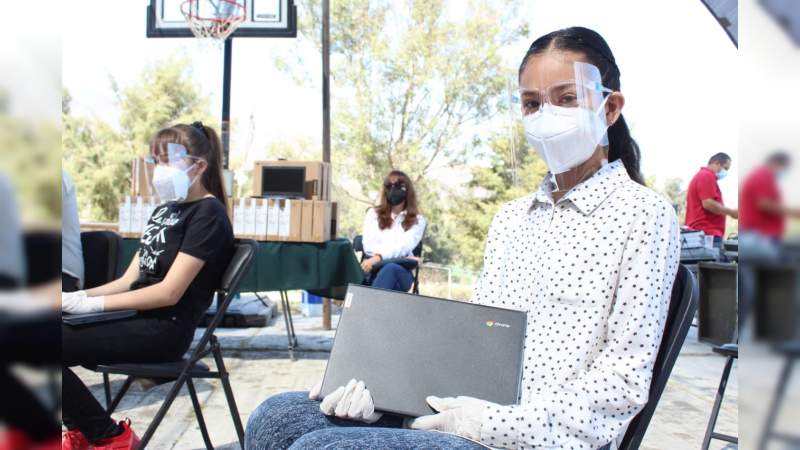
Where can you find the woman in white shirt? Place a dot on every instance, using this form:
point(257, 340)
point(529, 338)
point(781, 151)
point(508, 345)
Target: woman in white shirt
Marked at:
point(391, 231)
point(591, 257)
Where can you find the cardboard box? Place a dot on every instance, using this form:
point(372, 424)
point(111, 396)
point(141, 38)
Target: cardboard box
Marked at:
point(250, 218)
point(296, 225)
point(308, 221)
point(238, 218)
point(125, 210)
point(321, 222)
point(141, 174)
point(317, 177)
point(273, 219)
point(262, 212)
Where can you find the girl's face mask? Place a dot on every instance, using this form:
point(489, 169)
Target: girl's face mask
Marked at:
point(171, 173)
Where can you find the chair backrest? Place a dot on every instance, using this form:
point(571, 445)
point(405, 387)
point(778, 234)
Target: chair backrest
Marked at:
point(682, 307)
point(101, 257)
point(358, 245)
point(417, 250)
point(40, 249)
point(242, 260)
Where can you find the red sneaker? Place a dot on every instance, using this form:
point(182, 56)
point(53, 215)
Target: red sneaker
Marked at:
point(127, 440)
point(13, 439)
point(74, 440)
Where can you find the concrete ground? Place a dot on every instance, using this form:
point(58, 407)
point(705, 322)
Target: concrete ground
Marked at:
point(259, 366)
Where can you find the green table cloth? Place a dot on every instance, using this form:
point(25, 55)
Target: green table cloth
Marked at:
point(322, 269)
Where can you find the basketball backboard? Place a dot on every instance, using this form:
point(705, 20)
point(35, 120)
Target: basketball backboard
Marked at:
point(264, 18)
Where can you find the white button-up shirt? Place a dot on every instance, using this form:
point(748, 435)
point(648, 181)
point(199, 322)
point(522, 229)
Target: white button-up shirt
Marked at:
point(392, 242)
point(594, 272)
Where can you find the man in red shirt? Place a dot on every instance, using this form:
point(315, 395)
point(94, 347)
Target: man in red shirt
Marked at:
point(704, 208)
point(762, 208)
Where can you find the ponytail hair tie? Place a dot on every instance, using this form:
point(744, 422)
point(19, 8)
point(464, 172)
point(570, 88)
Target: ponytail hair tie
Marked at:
point(200, 127)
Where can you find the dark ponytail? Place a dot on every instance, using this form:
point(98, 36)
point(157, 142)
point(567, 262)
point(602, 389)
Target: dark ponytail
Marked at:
point(213, 179)
point(621, 145)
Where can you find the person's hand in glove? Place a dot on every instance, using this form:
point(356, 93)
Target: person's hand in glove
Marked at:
point(79, 303)
point(353, 402)
point(457, 415)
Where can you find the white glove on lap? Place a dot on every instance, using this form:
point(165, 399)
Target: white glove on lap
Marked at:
point(79, 303)
point(457, 415)
point(353, 402)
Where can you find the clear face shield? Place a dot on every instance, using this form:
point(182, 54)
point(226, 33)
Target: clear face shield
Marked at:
point(566, 121)
point(170, 170)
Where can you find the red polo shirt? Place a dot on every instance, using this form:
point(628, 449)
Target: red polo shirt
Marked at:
point(761, 183)
point(704, 186)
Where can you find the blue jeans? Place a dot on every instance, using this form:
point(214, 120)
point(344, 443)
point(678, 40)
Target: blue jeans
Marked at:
point(393, 276)
point(292, 421)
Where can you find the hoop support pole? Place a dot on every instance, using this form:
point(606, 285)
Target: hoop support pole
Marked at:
point(326, 86)
point(226, 101)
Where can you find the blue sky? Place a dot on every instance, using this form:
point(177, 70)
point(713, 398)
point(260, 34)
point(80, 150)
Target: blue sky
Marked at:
point(678, 72)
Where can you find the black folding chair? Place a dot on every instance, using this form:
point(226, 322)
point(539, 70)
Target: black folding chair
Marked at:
point(187, 369)
point(682, 307)
point(791, 351)
point(358, 246)
point(40, 261)
point(101, 257)
point(731, 352)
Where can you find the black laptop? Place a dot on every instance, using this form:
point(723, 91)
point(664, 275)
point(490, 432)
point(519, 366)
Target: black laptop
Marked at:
point(406, 347)
point(106, 316)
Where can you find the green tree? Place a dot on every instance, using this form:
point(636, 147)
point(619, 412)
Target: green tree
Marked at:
point(98, 155)
point(514, 170)
point(411, 80)
point(31, 159)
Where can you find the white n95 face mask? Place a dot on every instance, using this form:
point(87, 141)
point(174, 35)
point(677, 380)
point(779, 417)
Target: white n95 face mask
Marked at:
point(171, 183)
point(565, 137)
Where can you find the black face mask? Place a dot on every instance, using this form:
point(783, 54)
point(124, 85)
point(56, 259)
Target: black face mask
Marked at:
point(396, 196)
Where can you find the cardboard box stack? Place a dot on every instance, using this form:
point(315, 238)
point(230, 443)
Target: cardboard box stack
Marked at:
point(269, 219)
point(318, 177)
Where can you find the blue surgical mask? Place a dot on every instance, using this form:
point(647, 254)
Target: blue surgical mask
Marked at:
point(780, 174)
point(722, 174)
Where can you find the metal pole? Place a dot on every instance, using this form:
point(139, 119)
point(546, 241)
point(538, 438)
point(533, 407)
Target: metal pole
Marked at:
point(226, 101)
point(326, 88)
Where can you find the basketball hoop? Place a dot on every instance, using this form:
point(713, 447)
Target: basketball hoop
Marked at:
point(213, 20)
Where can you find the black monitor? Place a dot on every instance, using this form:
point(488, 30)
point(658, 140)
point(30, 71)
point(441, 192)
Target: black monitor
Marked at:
point(283, 181)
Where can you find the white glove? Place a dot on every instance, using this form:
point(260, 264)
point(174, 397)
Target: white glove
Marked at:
point(457, 415)
point(353, 402)
point(79, 303)
point(70, 295)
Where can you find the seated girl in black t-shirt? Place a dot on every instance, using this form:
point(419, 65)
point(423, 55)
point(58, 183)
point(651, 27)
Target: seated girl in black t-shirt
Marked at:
point(184, 249)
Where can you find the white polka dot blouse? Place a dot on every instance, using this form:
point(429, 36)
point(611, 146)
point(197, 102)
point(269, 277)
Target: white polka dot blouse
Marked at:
point(594, 272)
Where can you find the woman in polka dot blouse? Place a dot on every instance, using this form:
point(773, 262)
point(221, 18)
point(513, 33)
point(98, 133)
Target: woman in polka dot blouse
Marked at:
point(591, 256)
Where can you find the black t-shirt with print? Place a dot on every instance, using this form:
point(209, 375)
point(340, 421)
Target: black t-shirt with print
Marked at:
point(201, 229)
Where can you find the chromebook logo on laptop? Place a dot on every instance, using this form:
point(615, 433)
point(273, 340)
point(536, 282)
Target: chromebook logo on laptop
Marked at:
point(492, 323)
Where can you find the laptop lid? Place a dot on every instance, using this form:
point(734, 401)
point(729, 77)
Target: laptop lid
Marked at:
point(83, 319)
point(406, 347)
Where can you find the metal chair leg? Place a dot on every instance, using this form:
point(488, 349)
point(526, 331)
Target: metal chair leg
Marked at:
point(226, 386)
point(712, 421)
point(107, 389)
point(199, 413)
point(287, 318)
point(777, 401)
point(118, 398)
point(162, 411)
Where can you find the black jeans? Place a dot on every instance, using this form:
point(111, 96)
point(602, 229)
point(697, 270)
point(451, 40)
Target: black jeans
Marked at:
point(32, 340)
point(135, 340)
